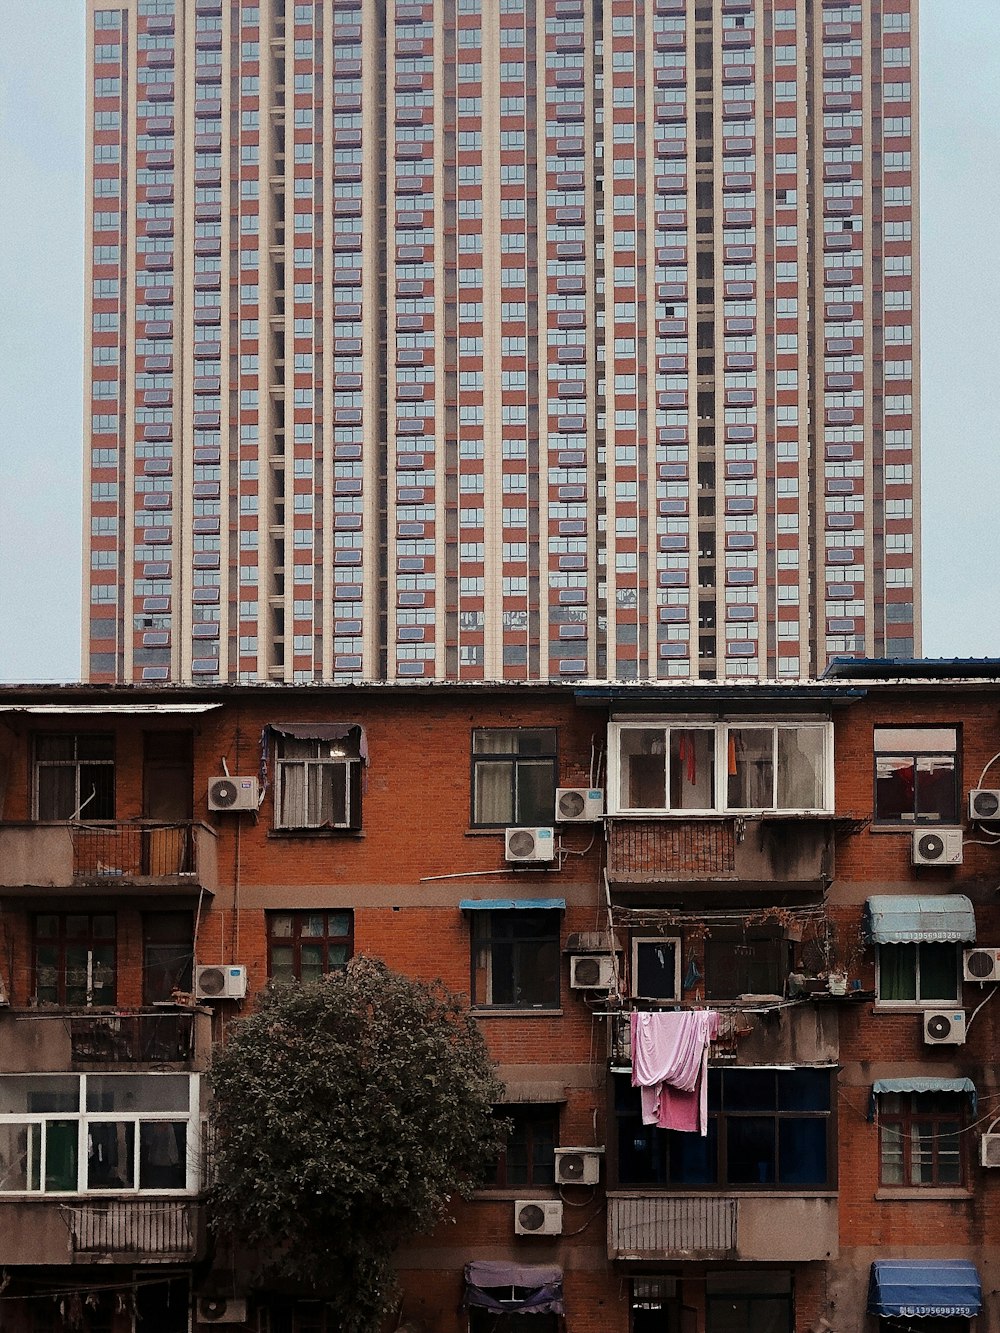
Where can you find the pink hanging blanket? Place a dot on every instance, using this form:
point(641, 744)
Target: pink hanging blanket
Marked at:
point(670, 1066)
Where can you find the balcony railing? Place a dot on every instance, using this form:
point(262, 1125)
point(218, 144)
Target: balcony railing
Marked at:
point(133, 854)
point(157, 1230)
point(653, 850)
point(132, 851)
point(132, 1038)
point(783, 1227)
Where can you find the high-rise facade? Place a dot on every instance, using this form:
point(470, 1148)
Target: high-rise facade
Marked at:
point(488, 339)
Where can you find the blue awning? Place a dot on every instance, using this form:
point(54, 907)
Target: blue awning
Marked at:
point(959, 1085)
point(892, 919)
point(512, 904)
point(924, 1288)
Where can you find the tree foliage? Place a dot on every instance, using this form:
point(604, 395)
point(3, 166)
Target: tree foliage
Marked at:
point(346, 1113)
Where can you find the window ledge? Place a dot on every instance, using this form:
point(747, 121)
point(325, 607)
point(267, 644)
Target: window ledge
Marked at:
point(913, 1006)
point(491, 1012)
point(487, 832)
point(721, 1191)
point(927, 1193)
point(509, 1195)
point(325, 834)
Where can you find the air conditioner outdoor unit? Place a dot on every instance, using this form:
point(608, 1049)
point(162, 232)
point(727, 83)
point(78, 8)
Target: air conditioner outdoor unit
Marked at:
point(989, 1150)
point(228, 981)
point(937, 847)
point(529, 844)
point(981, 964)
point(233, 794)
point(578, 1166)
point(984, 803)
point(542, 1218)
point(220, 1310)
point(944, 1027)
point(578, 805)
point(591, 971)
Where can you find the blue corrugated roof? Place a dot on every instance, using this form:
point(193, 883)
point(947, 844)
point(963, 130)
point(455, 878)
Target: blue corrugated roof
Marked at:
point(925, 1288)
point(906, 919)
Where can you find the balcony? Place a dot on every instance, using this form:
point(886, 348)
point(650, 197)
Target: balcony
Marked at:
point(753, 850)
point(52, 1040)
point(133, 856)
point(101, 1231)
point(776, 1227)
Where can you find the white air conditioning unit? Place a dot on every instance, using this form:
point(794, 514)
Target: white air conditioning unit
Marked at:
point(937, 847)
point(529, 844)
point(944, 1027)
point(579, 805)
point(227, 981)
point(591, 971)
point(233, 794)
point(220, 1310)
point(989, 1150)
point(984, 803)
point(981, 964)
point(578, 1166)
point(541, 1218)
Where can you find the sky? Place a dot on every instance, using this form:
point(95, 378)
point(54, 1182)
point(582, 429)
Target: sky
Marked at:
point(41, 331)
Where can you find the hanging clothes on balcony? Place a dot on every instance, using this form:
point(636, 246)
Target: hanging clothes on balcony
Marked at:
point(670, 1066)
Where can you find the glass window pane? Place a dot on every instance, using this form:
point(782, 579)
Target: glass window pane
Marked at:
point(692, 768)
point(38, 1094)
point(54, 747)
point(893, 788)
point(56, 792)
point(339, 923)
point(656, 970)
point(938, 971)
point(643, 762)
point(897, 971)
point(891, 1151)
point(749, 1089)
point(937, 790)
point(313, 925)
point(801, 752)
point(110, 1155)
point(162, 1155)
point(494, 742)
point(282, 962)
point(20, 1149)
point(137, 1092)
point(802, 1151)
point(536, 792)
point(804, 1090)
point(493, 793)
point(281, 925)
point(916, 740)
point(61, 1155)
point(750, 1150)
point(693, 1159)
point(750, 766)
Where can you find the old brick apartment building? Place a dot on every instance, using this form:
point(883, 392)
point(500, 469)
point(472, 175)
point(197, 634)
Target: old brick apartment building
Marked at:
point(799, 857)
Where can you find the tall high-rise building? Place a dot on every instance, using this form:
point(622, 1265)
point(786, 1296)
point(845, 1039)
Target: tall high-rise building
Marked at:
point(495, 339)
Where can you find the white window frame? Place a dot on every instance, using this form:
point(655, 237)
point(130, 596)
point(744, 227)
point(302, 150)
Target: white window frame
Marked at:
point(352, 817)
point(721, 731)
point(84, 1118)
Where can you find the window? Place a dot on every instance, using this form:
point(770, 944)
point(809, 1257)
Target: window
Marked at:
point(750, 961)
point(318, 781)
point(513, 776)
point(73, 958)
point(920, 1138)
point(749, 1302)
point(528, 1159)
point(168, 954)
point(515, 958)
point(768, 1128)
point(920, 974)
point(916, 774)
point(656, 968)
point(305, 946)
point(66, 1133)
point(702, 768)
point(74, 777)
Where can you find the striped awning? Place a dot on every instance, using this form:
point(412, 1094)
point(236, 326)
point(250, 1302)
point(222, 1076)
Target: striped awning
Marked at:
point(905, 919)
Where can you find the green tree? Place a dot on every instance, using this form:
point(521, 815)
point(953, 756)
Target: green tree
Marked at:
point(346, 1113)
